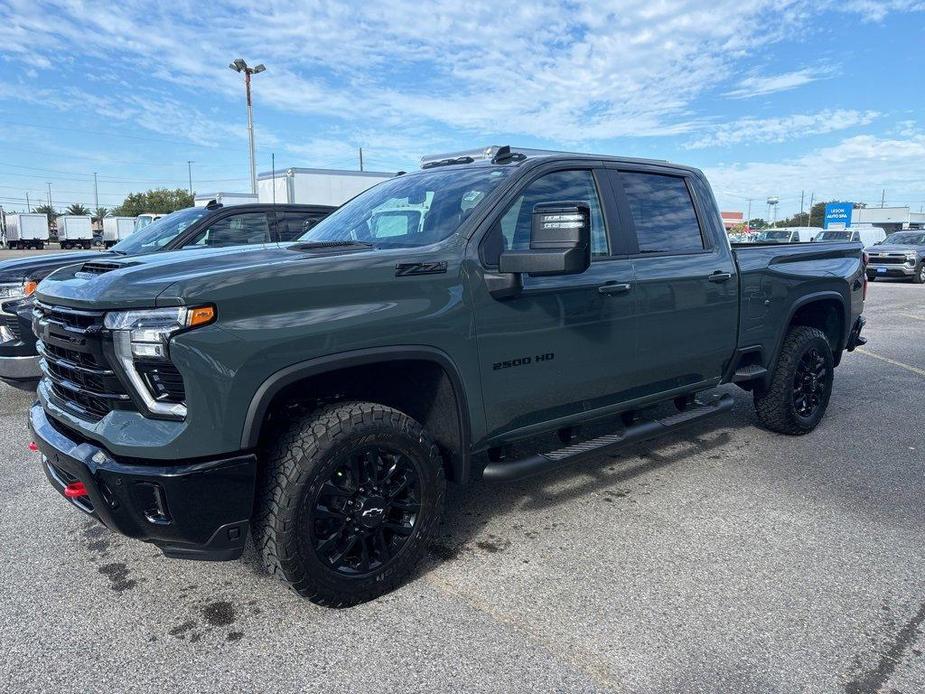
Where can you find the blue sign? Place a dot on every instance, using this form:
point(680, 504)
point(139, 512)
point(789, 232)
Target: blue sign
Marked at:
point(837, 215)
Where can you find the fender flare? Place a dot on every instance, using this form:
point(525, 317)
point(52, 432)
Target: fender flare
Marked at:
point(809, 299)
point(264, 395)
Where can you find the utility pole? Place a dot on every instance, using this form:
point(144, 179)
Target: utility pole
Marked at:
point(96, 194)
point(801, 204)
point(49, 195)
point(28, 207)
point(189, 170)
point(882, 198)
point(809, 217)
point(273, 174)
point(361, 158)
point(238, 65)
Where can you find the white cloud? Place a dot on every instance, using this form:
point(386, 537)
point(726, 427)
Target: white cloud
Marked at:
point(760, 85)
point(858, 169)
point(781, 129)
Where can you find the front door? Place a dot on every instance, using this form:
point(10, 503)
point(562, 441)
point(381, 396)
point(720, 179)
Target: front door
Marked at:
point(560, 347)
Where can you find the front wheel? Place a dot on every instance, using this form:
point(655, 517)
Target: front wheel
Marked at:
point(801, 384)
point(350, 497)
point(919, 276)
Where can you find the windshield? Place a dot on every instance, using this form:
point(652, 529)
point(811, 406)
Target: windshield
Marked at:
point(907, 238)
point(158, 234)
point(834, 236)
point(412, 210)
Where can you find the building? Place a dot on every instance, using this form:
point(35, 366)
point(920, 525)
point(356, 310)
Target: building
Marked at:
point(890, 219)
point(732, 219)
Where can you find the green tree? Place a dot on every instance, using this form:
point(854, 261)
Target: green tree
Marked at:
point(101, 212)
point(757, 223)
point(46, 210)
point(77, 209)
point(159, 201)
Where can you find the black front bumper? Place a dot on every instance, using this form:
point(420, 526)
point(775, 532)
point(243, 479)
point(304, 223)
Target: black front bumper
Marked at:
point(193, 511)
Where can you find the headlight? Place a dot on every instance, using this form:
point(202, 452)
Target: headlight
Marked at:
point(911, 257)
point(17, 290)
point(144, 336)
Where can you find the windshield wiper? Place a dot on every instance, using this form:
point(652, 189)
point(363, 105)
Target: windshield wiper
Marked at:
point(314, 245)
point(119, 252)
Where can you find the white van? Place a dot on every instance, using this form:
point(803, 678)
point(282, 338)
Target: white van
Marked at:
point(867, 235)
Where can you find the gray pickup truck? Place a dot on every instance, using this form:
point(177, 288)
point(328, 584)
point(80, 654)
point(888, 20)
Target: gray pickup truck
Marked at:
point(901, 254)
point(318, 394)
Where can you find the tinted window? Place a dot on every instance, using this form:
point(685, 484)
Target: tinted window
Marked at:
point(512, 232)
point(236, 230)
point(291, 225)
point(663, 213)
point(158, 234)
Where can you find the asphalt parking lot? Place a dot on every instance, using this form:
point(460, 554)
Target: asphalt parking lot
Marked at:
point(726, 559)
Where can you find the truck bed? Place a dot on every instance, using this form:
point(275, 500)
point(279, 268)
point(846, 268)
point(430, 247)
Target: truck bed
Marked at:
point(776, 279)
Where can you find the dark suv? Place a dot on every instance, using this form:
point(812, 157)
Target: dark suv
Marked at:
point(212, 226)
point(901, 254)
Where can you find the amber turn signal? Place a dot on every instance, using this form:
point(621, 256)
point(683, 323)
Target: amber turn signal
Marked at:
point(202, 315)
point(29, 286)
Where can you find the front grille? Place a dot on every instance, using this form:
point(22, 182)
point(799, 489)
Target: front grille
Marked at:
point(74, 361)
point(12, 324)
point(888, 260)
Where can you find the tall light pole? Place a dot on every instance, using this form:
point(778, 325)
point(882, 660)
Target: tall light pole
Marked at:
point(189, 170)
point(238, 65)
point(96, 194)
point(49, 194)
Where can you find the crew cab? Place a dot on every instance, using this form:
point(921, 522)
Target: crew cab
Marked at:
point(317, 395)
point(901, 254)
point(209, 226)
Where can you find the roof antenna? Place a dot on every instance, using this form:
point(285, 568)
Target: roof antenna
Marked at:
point(504, 155)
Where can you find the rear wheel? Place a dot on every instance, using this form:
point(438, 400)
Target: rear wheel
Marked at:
point(350, 497)
point(801, 384)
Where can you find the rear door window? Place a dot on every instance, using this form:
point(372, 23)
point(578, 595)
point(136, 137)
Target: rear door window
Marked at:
point(663, 213)
point(291, 225)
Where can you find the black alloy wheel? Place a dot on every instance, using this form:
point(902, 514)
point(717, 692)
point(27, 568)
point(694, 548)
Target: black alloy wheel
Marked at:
point(364, 514)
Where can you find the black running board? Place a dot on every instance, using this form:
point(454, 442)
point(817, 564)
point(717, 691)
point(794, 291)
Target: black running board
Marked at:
point(544, 462)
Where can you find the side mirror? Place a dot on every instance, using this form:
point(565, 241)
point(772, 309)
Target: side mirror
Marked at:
point(560, 242)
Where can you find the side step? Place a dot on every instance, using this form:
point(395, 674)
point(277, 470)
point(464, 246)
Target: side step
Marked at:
point(749, 373)
point(544, 462)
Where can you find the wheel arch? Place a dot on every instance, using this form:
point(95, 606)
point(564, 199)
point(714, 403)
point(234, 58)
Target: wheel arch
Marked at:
point(454, 443)
point(826, 310)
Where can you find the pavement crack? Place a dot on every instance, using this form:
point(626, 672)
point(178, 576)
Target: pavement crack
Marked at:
point(874, 679)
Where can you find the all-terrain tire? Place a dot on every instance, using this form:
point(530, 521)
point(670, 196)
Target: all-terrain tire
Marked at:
point(776, 406)
point(298, 464)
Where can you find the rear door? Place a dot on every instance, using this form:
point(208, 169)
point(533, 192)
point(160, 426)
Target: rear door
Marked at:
point(233, 228)
point(560, 347)
point(685, 284)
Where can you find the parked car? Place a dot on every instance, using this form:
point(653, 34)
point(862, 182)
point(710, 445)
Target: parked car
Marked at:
point(901, 254)
point(319, 394)
point(788, 235)
point(194, 227)
point(866, 235)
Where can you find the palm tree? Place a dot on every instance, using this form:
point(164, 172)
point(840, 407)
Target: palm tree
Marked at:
point(46, 210)
point(78, 209)
point(101, 212)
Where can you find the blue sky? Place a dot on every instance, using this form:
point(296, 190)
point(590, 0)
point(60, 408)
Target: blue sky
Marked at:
point(769, 98)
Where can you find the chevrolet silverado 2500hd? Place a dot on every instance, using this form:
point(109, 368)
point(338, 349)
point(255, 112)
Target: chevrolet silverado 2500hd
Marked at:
point(208, 226)
point(317, 395)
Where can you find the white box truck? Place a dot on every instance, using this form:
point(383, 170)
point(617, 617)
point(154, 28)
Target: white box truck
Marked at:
point(75, 231)
point(226, 199)
point(26, 230)
point(315, 186)
point(116, 228)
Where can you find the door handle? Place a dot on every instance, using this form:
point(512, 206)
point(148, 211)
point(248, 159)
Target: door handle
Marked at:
point(614, 288)
point(720, 276)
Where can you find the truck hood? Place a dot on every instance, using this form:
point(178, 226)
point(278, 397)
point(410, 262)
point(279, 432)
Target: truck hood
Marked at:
point(37, 266)
point(136, 282)
point(894, 248)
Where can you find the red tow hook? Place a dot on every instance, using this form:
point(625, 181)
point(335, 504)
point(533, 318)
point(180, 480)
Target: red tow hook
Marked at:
point(74, 490)
point(33, 447)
